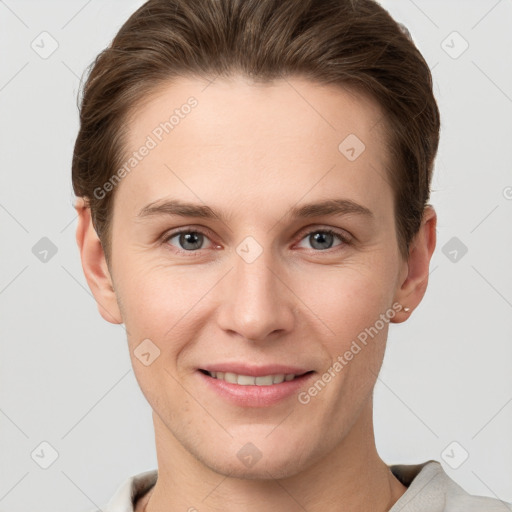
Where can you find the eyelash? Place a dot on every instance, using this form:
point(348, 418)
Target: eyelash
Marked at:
point(343, 238)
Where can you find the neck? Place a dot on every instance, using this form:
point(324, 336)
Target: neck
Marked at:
point(350, 477)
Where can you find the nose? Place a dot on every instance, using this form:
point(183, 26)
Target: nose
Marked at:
point(255, 302)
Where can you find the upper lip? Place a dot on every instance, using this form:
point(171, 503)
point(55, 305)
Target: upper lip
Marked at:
point(254, 371)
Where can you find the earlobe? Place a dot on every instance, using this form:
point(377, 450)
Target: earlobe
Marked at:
point(412, 287)
point(94, 265)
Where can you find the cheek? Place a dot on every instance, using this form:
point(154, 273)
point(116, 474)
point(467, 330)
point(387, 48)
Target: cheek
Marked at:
point(155, 297)
point(161, 320)
point(167, 306)
point(348, 298)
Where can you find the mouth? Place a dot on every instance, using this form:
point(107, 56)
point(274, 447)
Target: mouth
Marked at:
point(263, 390)
point(250, 380)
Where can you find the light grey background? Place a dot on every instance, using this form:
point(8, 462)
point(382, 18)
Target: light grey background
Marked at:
point(65, 374)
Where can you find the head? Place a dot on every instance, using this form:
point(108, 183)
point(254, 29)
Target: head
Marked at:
point(251, 112)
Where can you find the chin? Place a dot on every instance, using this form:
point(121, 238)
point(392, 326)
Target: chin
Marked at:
point(261, 460)
point(261, 470)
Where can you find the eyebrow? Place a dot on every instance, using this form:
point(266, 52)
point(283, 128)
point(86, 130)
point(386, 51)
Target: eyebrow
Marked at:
point(174, 207)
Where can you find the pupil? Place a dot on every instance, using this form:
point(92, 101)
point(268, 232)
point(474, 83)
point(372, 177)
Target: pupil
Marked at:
point(320, 237)
point(188, 238)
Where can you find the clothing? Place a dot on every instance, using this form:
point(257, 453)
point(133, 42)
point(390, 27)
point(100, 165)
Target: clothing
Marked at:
point(429, 489)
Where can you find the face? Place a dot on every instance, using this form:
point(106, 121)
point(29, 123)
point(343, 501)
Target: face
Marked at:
point(250, 275)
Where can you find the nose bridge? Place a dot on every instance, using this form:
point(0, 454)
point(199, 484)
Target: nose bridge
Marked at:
point(255, 301)
point(254, 278)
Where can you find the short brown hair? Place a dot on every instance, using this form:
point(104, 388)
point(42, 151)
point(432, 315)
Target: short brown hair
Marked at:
point(351, 43)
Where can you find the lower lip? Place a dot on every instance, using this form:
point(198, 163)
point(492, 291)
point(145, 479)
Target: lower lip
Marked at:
point(252, 395)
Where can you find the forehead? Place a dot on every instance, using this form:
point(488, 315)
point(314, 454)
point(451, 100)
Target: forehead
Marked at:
point(302, 107)
point(233, 135)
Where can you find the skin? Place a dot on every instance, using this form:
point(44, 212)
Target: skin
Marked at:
point(253, 152)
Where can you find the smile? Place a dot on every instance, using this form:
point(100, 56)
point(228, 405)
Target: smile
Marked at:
point(248, 380)
point(253, 391)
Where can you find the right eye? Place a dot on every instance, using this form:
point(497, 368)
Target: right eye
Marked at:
point(189, 240)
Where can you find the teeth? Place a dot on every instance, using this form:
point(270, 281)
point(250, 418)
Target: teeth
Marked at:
point(247, 380)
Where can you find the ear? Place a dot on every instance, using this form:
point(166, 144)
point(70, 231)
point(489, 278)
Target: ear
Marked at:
point(415, 271)
point(95, 266)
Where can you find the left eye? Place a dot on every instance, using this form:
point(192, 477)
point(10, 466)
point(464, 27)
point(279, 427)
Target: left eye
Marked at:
point(191, 241)
point(320, 237)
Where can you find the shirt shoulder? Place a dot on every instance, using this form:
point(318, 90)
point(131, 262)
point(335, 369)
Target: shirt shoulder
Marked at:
point(130, 491)
point(430, 489)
